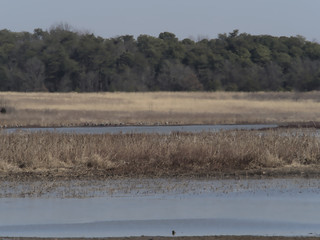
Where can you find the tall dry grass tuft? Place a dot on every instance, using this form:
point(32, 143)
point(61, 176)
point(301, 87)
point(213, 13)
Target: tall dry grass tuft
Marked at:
point(155, 154)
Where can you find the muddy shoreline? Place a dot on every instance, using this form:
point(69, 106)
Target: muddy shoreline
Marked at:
point(94, 174)
point(284, 125)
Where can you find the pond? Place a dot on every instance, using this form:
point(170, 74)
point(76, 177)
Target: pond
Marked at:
point(155, 207)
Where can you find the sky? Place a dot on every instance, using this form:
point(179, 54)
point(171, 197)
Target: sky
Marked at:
point(194, 19)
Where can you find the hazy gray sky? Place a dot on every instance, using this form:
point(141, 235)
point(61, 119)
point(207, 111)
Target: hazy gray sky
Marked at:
point(185, 18)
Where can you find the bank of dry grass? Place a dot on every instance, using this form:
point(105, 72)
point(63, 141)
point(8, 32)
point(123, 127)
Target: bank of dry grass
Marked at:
point(176, 154)
point(71, 109)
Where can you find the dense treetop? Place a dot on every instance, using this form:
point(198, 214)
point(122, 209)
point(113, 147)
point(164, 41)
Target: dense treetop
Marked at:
point(60, 59)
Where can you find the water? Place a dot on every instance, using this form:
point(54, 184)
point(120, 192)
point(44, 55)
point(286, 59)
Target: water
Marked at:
point(155, 207)
point(145, 129)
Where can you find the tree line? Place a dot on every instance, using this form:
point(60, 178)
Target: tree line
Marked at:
point(62, 60)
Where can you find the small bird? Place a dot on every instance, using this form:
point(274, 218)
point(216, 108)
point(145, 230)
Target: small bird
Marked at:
point(173, 232)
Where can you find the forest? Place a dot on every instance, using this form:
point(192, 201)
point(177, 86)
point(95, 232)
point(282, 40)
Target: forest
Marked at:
point(63, 60)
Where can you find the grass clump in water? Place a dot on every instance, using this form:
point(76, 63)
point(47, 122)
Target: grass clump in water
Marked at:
point(176, 154)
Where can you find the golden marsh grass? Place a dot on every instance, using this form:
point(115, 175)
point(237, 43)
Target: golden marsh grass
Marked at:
point(176, 154)
point(79, 109)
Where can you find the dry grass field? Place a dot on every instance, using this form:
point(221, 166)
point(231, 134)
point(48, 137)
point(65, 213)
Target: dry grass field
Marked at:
point(80, 109)
point(156, 155)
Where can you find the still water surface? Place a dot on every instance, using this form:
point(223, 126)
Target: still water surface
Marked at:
point(145, 129)
point(287, 207)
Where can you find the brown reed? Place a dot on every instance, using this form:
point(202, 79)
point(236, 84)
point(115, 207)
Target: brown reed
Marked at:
point(176, 154)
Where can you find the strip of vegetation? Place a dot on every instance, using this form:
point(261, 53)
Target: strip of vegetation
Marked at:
point(61, 60)
point(155, 155)
point(159, 108)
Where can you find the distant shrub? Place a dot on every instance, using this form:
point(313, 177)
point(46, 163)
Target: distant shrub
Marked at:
point(5, 106)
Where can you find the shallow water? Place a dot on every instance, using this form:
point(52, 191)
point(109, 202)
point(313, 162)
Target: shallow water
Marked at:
point(144, 129)
point(287, 207)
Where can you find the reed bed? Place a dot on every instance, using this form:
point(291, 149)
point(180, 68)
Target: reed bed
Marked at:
point(176, 154)
point(149, 108)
